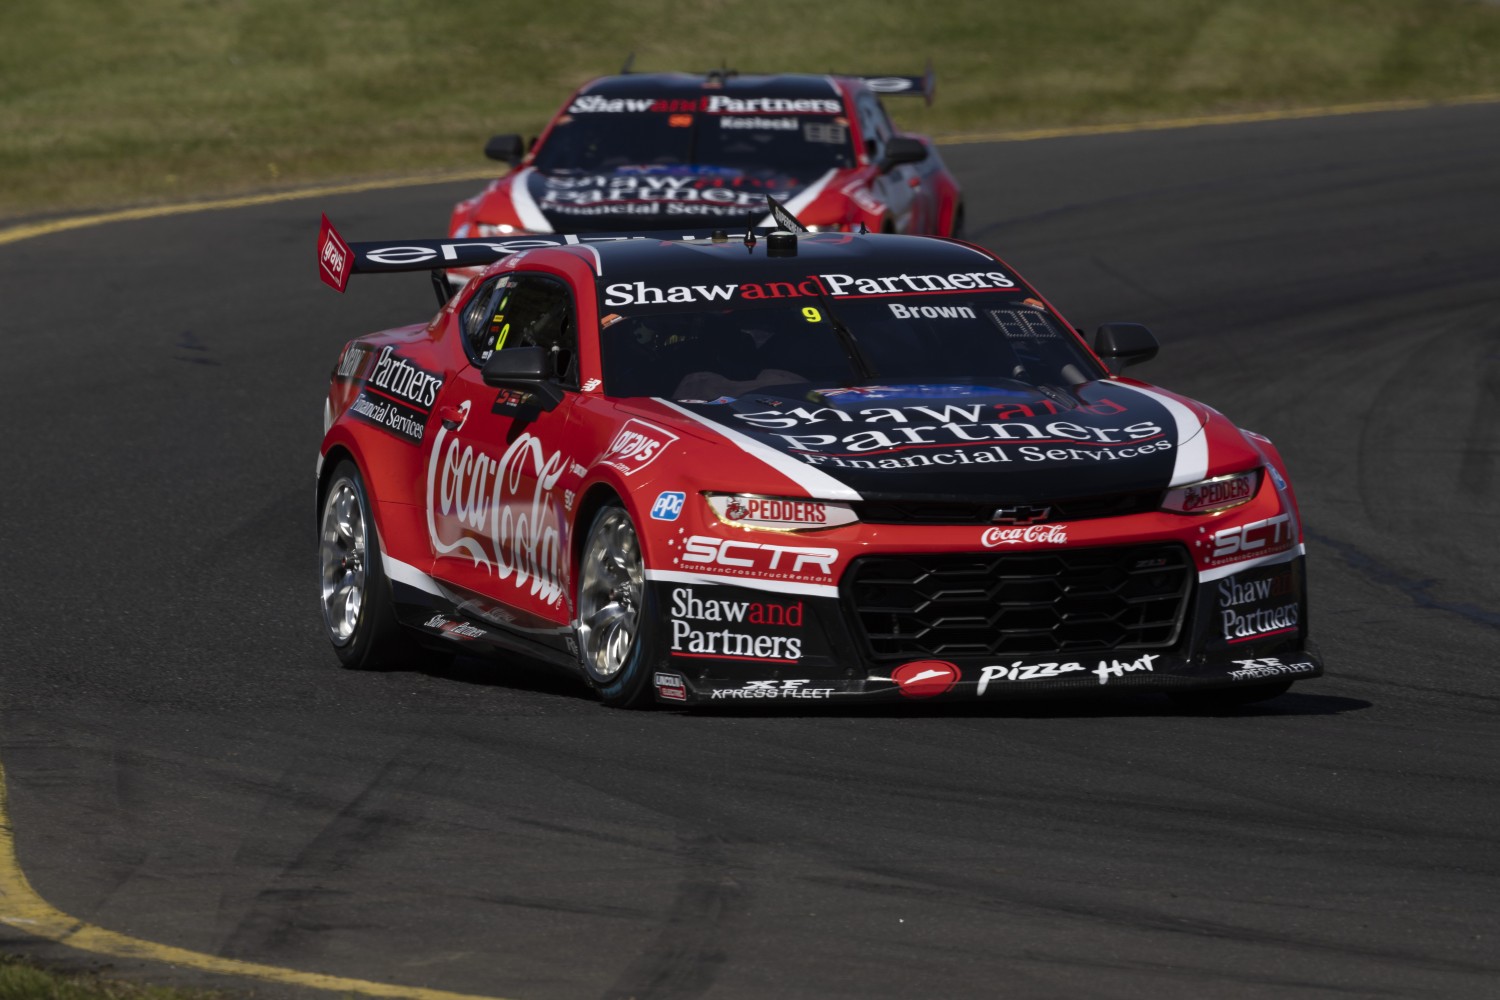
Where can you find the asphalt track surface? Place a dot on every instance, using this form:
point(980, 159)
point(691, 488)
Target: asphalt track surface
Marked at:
point(187, 765)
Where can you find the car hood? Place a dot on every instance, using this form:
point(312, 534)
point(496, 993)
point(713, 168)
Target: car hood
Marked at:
point(637, 198)
point(1002, 442)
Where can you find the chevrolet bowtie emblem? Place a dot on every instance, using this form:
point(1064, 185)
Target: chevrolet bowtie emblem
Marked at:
point(1023, 514)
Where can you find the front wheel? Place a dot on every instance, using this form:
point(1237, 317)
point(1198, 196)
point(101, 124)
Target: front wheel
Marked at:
point(358, 616)
point(617, 621)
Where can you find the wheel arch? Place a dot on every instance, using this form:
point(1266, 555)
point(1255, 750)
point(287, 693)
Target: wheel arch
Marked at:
point(594, 499)
point(331, 459)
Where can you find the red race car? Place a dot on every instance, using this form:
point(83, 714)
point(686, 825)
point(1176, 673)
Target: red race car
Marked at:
point(760, 465)
point(677, 151)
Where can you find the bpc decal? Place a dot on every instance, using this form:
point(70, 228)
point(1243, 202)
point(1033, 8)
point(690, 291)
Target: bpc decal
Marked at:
point(668, 505)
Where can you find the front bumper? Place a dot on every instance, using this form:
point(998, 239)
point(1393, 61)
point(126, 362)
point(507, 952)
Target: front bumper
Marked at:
point(728, 644)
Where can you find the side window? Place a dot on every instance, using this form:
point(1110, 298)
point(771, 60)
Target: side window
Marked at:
point(539, 313)
point(485, 322)
point(874, 126)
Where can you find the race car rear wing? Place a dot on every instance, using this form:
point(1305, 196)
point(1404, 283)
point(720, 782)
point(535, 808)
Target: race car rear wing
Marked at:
point(888, 86)
point(925, 85)
point(338, 260)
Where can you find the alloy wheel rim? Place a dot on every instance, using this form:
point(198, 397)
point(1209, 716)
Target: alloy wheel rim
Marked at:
point(341, 558)
point(610, 589)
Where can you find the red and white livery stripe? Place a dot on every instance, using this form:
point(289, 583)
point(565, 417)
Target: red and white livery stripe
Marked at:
point(1191, 445)
point(531, 218)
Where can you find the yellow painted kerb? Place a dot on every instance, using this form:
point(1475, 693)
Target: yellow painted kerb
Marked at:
point(17, 233)
point(22, 908)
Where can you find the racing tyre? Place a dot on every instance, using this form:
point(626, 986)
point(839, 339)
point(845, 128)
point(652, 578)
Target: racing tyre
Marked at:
point(1226, 698)
point(358, 616)
point(617, 627)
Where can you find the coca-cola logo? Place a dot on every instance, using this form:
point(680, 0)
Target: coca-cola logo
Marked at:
point(925, 678)
point(1031, 534)
point(477, 504)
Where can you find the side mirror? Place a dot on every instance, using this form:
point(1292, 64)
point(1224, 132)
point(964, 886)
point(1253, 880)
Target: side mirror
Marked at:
point(527, 370)
point(1122, 344)
point(901, 149)
point(505, 148)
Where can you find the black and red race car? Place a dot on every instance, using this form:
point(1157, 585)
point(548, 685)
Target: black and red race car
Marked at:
point(762, 466)
point(645, 151)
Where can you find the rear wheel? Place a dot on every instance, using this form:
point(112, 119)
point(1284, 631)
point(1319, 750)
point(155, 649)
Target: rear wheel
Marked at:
point(617, 620)
point(358, 615)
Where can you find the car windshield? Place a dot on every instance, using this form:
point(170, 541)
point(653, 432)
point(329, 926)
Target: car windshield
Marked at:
point(743, 143)
point(699, 355)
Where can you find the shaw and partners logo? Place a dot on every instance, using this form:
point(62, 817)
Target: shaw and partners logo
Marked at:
point(480, 505)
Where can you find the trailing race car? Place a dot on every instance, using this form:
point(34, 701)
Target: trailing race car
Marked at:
point(677, 150)
point(792, 466)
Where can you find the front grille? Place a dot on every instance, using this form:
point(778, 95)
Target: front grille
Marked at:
point(982, 511)
point(998, 604)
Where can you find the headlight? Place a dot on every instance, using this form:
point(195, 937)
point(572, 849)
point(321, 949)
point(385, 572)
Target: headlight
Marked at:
point(744, 510)
point(1213, 495)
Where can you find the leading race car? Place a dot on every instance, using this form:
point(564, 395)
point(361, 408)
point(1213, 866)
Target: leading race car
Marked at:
point(643, 151)
point(792, 466)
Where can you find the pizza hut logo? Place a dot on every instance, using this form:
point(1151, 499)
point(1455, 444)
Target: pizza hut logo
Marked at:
point(635, 446)
point(335, 259)
point(925, 678)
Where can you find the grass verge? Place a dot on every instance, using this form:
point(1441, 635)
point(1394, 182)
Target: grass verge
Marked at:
point(22, 980)
point(105, 104)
